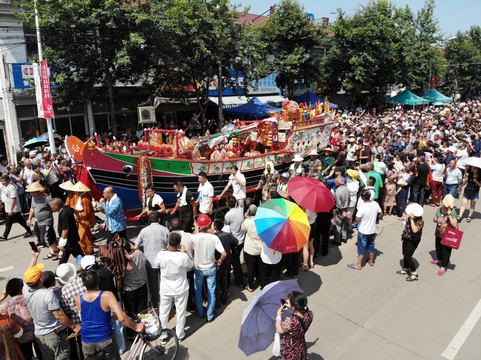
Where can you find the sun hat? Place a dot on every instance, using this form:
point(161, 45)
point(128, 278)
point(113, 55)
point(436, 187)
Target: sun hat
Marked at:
point(283, 194)
point(351, 139)
point(448, 201)
point(452, 149)
point(328, 149)
point(353, 174)
point(67, 185)
point(415, 209)
point(285, 175)
point(298, 158)
point(379, 167)
point(80, 187)
point(313, 152)
point(66, 272)
point(32, 275)
point(86, 261)
point(36, 186)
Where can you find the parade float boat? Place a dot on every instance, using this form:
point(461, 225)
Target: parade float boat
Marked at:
point(165, 156)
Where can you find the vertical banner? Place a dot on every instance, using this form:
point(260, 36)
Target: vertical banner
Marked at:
point(46, 96)
point(38, 90)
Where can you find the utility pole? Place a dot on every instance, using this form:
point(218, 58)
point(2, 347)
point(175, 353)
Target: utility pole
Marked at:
point(51, 138)
point(220, 87)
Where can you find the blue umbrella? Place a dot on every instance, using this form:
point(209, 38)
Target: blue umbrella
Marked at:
point(35, 142)
point(259, 319)
point(55, 136)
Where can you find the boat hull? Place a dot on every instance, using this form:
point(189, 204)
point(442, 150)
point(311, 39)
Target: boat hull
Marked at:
point(107, 167)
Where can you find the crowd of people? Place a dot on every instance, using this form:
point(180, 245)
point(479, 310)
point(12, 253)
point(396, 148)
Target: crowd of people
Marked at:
point(376, 165)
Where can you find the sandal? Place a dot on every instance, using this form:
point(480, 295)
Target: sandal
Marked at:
point(441, 272)
point(305, 267)
point(412, 278)
point(353, 266)
point(49, 256)
point(249, 289)
point(468, 220)
point(402, 272)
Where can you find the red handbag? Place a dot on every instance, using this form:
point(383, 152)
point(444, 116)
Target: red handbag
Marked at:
point(452, 237)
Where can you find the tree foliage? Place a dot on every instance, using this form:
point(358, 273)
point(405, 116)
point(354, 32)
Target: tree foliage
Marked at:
point(204, 38)
point(380, 46)
point(285, 41)
point(463, 56)
point(93, 44)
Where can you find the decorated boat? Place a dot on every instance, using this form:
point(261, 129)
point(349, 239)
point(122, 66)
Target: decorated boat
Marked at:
point(165, 156)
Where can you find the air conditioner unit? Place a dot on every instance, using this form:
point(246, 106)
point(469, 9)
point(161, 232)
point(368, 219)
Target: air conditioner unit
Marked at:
point(146, 114)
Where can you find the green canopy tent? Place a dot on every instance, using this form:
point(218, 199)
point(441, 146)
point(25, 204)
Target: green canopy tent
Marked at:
point(407, 98)
point(436, 97)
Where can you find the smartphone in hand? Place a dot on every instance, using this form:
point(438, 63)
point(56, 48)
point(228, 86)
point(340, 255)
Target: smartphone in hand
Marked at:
point(33, 246)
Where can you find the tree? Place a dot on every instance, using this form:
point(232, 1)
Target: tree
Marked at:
point(463, 56)
point(205, 41)
point(286, 40)
point(93, 44)
point(381, 46)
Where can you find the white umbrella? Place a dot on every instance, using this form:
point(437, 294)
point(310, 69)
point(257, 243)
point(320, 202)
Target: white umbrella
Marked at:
point(474, 161)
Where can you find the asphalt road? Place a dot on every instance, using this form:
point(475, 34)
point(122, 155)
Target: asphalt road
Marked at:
point(368, 314)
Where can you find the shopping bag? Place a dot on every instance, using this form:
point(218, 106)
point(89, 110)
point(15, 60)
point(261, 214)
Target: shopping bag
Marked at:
point(452, 238)
point(276, 349)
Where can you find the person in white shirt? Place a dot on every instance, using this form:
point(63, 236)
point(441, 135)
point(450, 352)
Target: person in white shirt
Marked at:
point(174, 264)
point(205, 244)
point(238, 182)
point(461, 157)
point(366, 223)
point(453, 178)
point(206, 194)
point(351, 157)
point(13, 211)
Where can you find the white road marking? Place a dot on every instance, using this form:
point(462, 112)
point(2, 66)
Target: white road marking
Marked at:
point(455, 345)
point(8, 268)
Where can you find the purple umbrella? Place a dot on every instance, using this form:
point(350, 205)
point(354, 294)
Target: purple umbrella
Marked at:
point(259, 319)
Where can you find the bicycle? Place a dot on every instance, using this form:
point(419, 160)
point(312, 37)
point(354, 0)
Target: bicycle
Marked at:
point(155, 342)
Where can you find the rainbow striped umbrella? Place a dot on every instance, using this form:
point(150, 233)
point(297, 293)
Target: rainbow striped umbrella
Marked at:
point(282, 225)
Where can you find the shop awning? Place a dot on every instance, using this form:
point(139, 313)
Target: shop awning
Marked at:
point(274, 100)
point(230, 101)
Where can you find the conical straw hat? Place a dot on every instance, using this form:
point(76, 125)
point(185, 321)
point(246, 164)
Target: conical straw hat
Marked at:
point(67, 185)
point(80, 187)
point(36, 186)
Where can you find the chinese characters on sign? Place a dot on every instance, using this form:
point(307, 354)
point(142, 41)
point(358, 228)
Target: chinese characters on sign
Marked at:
point(46, 96)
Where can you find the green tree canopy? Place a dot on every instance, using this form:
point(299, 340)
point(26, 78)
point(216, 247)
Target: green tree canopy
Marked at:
point(205, 40)
point(285, 41)
point(93, 44)
point(382, 45)
point(463, 56)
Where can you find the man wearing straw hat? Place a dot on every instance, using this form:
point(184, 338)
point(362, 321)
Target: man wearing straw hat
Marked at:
point(41, 211)
point(85, 215)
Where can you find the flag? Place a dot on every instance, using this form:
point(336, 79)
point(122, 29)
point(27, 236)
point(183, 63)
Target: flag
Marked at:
point(46, 96)
point(38, 90)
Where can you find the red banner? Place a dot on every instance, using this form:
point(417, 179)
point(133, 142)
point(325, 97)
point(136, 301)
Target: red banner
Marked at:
point(46, 96)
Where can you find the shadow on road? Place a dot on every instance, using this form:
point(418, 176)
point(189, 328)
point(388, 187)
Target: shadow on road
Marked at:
point(310, 282)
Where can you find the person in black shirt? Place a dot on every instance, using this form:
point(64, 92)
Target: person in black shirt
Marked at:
point(420, 181)
point(67, 230)
point(185, 206)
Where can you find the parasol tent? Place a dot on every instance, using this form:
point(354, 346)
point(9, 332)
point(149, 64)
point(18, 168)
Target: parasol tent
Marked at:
point(311, 99)
point(407, 98)
point(435, 96)
point(253, 109)
point(282, 225)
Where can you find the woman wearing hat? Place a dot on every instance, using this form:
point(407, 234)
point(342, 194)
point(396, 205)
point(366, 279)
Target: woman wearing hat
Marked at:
point(41, 211)
point(445, 217)
point(328, 163)
point(411, 237)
